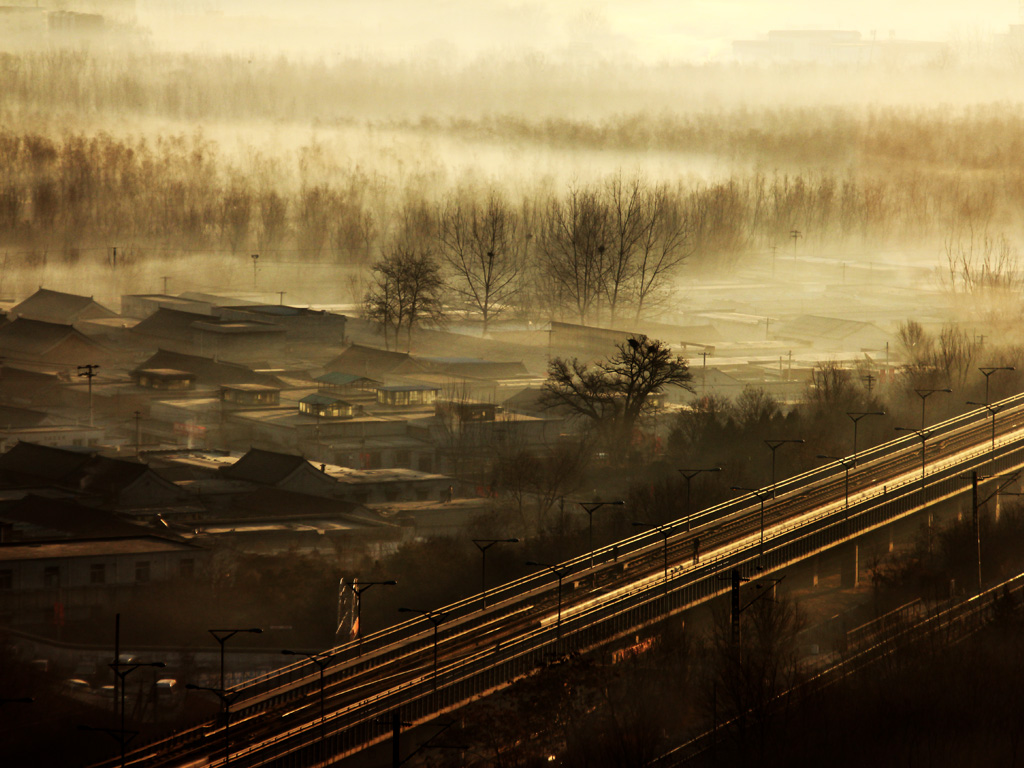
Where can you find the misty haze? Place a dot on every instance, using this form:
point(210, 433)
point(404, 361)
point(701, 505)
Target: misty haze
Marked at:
point(511, 384)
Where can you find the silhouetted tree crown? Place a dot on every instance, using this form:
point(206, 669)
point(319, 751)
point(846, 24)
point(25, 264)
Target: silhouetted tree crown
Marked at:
point(615, 394)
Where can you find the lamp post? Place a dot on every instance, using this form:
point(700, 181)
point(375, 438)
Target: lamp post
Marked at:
point(855, 417)
point(222, 636)
point(590, 507)
point(483, 545)
point(357, 590)
point(226, 698)
point(665, 531)
point(773, 446)
point(321, 660)
point(924, 434)
point(255, 259)
point(846, 464)
point(989, 370)
point(560, 574)
point(924, 394)
point(435, 618)
point(688, 475)
point(993, 410)
point(975, 507)
point(122, 669)
point(761, 495)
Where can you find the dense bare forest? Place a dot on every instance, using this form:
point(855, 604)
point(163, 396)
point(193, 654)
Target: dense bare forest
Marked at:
point(608, 179)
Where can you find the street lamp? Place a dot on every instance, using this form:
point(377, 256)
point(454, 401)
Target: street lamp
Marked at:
point(773, 446)
point(590, 507)
point(761, 496)
point(855, 417)
point(924, 394)
point(357, 590)
point(435, 618)
point(321, 660)
point(924, 434)
point(483, 545)
point(665, 531)
point(846, 464)
point(560, 573)
point(975, 507)
point(993, 410)
point(122, 669)
point(988, 371)
point(255, 259)
point(226, 699)
point(222, 636)
point(689, 474)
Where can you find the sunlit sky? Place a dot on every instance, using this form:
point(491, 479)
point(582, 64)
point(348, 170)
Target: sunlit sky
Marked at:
point(648, 30)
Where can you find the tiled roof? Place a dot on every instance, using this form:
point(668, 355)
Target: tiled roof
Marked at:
point(209, 371)
point(40, 517)
point(343, 379)
point(319, 399)
point(372, 361)
point(40, 462)
point(37, 337)
point(264, 467)
point(57, 307)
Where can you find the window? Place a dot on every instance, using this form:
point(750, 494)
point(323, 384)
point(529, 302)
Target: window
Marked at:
point(97, 573)
point(6, 578)
point(142, 571)
point(51, 576)
point(187, 568)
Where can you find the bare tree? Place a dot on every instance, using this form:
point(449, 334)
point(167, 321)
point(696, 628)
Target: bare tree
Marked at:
point(666, 244)
point(481, 246)
point(271, 221)
point(748, 678)
point(831, 387)
point(613, 395)
point(630, 226)
point(405, 291)
point(574, 237)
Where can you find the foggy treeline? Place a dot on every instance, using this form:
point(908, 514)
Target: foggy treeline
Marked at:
point(347, 169)
point(79, 193)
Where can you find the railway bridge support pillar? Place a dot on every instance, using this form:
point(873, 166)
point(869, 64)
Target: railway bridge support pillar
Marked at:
point(849, 566)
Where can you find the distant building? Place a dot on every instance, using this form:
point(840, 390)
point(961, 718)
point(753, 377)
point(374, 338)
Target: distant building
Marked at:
point(36, 341)
point(371, 362)
point(407, 395)
point(117, 483)
point(251, 395)
point(46, 582)
point(62, 308)
point(326, 407)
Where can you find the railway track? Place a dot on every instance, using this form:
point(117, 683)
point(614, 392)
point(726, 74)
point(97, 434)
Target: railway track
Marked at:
point(274, 720)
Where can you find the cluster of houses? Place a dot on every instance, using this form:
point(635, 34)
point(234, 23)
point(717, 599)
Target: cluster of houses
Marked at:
point(132, 440)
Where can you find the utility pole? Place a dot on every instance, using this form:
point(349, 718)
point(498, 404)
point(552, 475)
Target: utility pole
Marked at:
point(89, 372)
